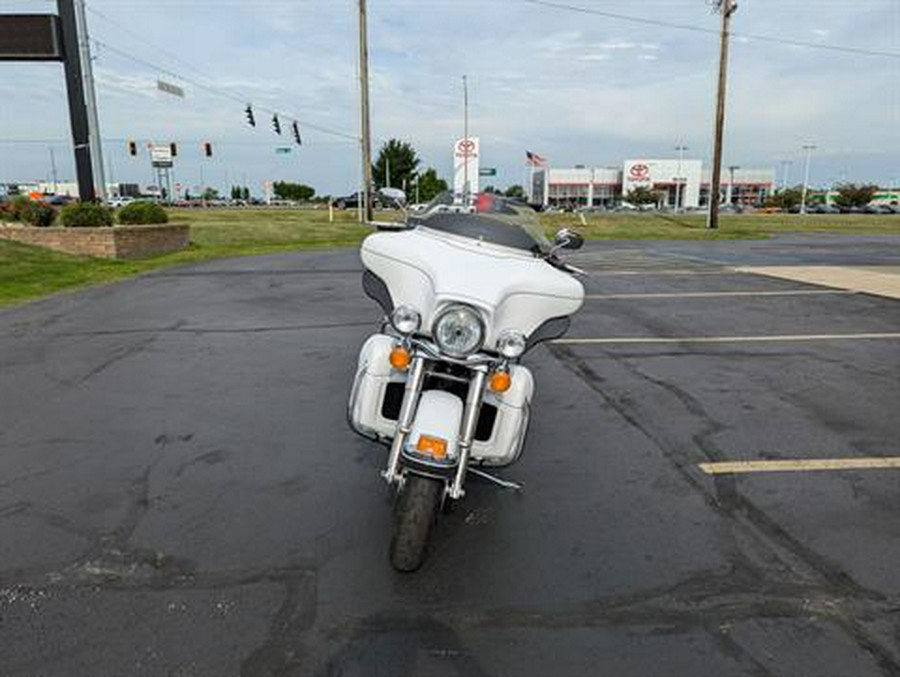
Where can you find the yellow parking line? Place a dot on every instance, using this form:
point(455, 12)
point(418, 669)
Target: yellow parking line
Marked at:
point(724, 339)
point(800, 465)
point(712, 294)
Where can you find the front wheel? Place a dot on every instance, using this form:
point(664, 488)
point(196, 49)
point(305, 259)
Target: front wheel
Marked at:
point(417, 504)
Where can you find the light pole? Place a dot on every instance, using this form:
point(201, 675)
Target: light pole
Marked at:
point(785, 169)
point(465, 138)
point(731, 170)
point(678, 181)
point(365, 132)
point(809, 148)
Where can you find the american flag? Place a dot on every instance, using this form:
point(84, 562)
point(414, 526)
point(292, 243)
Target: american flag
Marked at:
point(534, 160)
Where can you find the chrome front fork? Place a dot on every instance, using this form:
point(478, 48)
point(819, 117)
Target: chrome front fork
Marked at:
point(467, 427)
point(467, 431)
point(407, 415)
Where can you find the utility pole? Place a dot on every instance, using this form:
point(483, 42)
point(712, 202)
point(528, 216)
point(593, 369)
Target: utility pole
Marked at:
point(465, 137)
point(90, 98)
point(809, 148)
point(679, 191)
point(365, 137)
point(727, 8)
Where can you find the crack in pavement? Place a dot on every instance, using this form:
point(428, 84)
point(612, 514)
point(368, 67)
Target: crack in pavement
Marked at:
point(728, 502)
point(180, 328)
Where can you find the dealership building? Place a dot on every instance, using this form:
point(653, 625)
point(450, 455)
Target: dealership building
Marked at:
point(680, 183)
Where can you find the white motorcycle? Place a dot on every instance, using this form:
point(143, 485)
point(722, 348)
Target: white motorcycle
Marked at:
point(467, 287)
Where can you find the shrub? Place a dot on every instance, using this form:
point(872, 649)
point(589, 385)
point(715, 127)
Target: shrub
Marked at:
point(86, 215)
point(40, 215)
point(19, 207)
point(142, 212)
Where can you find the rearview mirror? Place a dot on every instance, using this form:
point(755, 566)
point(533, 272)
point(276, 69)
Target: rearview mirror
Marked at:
point(568, 239)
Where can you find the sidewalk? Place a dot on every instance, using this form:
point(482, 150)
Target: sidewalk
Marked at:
point(877, 280)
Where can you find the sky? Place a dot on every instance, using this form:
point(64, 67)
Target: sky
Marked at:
point(575, 87)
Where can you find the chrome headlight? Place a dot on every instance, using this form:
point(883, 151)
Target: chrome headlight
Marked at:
point(511, 343)
point(458, 330)
point(405, 320)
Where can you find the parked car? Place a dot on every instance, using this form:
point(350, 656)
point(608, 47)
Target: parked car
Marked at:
point(352, 201)
point(120, 201)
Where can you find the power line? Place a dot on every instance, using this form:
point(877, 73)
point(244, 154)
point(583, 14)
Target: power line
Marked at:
point(198, 141)
point(216, 90)
point(712, 31)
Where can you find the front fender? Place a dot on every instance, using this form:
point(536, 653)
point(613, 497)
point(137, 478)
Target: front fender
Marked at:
point(439, 414)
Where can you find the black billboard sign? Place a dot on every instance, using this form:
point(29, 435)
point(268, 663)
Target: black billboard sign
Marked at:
point(30, 37)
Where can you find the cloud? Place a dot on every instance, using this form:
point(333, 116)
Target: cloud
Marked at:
point(574, 87)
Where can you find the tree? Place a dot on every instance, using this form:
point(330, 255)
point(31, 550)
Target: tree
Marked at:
point(515, 191)
point(210, 194)
point(293, 191)
point(235, 192)
point(786, 199)
point(398, 161)
point(853, 195)
point(430, 185)
point(492, 190)
point(642, 195)
point(245, 193)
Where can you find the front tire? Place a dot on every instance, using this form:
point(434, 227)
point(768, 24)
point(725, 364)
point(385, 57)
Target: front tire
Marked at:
point(414, 515)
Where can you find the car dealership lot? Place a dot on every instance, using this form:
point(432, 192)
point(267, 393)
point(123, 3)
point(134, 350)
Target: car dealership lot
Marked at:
point(180, 493)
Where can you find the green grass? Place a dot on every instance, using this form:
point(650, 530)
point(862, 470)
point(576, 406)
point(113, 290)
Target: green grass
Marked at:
point(30, 272)
point(650, 226)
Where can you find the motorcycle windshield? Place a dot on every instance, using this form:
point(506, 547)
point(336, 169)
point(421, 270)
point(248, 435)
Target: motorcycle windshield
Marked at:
point(488, 218)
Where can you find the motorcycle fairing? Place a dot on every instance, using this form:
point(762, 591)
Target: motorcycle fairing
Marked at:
point(427, 270)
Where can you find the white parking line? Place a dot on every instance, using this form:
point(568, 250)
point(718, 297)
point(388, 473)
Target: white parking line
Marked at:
point(650, 272)
point(724, 339)
point(800, 465)
point(713, 294)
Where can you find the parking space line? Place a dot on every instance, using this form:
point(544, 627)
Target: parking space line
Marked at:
point(713, 294)
point(800, 465)
point(650, 272)
point(725, 339)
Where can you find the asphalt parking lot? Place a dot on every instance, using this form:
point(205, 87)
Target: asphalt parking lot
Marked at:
point(180, 493)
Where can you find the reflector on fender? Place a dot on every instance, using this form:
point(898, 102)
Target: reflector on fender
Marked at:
point(432, 446)
point(400, 358)
point(500, 381)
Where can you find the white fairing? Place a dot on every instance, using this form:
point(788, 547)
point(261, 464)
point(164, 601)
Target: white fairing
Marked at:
point(427, 269)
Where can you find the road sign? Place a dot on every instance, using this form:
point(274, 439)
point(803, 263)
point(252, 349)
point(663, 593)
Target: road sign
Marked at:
point(169, 88)
point(161, 156)
point(487, 171)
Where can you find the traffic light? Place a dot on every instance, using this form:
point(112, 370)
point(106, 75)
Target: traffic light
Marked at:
point(250, 119)
point(207, 149)
point(296, 129)
point(276, 125)
point(173, 147)
point(132, 148)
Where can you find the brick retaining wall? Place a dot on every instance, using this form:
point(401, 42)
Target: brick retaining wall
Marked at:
point(117, 242)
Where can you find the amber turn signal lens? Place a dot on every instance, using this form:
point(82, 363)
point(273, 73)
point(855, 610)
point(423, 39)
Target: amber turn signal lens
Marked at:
point(400, 358)
point(500, 381)
point(432, 446)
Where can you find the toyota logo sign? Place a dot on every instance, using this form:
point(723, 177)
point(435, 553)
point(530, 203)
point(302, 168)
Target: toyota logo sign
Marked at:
point(466, 146)
point(639, 172)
